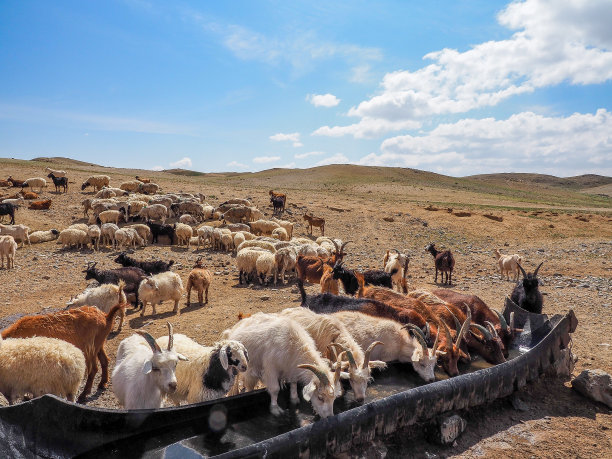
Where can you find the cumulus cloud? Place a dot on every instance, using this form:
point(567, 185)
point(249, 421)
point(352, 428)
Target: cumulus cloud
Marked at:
point(183, 162)
point(237, 165)
point(525, 142)
point(157, 168)
point(367, 128)
point(266, 159)
point(323, 100)
point(293, 137)
point(553, 42)
point(309, 154)
point(338, 158)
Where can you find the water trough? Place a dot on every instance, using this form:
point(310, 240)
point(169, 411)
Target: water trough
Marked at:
point(241, 426)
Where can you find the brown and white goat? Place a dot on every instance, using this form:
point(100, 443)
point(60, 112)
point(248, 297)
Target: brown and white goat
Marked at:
point(310, 268)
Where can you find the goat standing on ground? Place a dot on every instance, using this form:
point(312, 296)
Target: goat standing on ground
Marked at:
point(444, 262)
point(200, 279)
point(526, 293)
point(317, 222)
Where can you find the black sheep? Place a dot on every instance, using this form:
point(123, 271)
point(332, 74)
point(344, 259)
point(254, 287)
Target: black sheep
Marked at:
point(132, 277)
point(158, 229)
point(444, 262)
point(526, 293)
point(59, 182)
point(149, 267)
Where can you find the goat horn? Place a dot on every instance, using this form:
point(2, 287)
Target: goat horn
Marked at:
point(418, 334)
point(150, 340)
point(522, 270)
point(366, 359)
point(338, 249)
point(338, 346)
point(457, 323)
point(170, 336)
point(331, 352)
point(427, 331)
point(339, 367)
point(343, 246)
point(491, 328)
point(317, 372)
point(502, 321)
point(512, 323)
point(535, 273)
point(483, 330)
point(464, 328)
point(396, 250)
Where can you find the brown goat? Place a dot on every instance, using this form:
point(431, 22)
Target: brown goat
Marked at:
point(40, 205)
point(30, 195)
point(444, 262)
point(86, 327)
point(200, 279)
point(5, 183)
point(328, 283)
point(143, 180)
point(310, 268)
point(317, 222)
point(15, 182)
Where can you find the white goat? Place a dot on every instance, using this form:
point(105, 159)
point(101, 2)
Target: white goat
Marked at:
point(159, 288)
point(8, 249)
point(397, 261)
point(210, 371)
point(144, 373)
point(104, 297)
point(19, 233)
point(508, 264)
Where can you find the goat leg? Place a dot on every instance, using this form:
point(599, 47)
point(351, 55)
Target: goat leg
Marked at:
point(103, 358)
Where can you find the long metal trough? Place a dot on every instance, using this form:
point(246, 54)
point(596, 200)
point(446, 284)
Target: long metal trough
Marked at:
point(51, 427)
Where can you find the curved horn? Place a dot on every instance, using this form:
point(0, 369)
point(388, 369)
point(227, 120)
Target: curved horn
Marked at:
point(427, 331)
point(170, 336)
point(535, 273)
point(457, 323)
point(343, 246)
point(464, 328)
point(338, 249)
point(317, 372)
point(418, 334)
point(351, 358)
point(150, 340)
point(502, 321)
point(366, 360)
point(483, 330)
point(491, 328)
point(522, 270)
point(512, 322)
point(331, 352)
point(339, 347)
point(339, 367)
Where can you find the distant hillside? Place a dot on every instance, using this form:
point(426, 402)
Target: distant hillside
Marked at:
point(577, 182)
point(62, 160)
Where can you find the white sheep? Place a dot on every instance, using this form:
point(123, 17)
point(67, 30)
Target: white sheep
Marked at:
point(148, 188)
point(207, 212)
point(280, 350)
point(54, 172)
point(106, 193)
point(135, 206)
point(257, 243)
point(94, 232)
point(8, 249)
point(79, 226)
point(263, 226)
point(205, 234)
point(159, 288)
point(286, 259)
point(19, 233)
point(104, 297)
point(210, 371)
point(266, 267)
point(127, 237)
point(144, 373)
point(111, 216)
point(280, 234)
point(43, 236)
point(143, 231)
point(188, 219)
point(39, 366)
point(287, 225)
point(227, 242)
point(72, 236)
point(108, 233)
point(238, 239)
point(183, 233)
point(35, 182)
point(246, 260)
point(154, 212)
point(131, 185)
point(508, 264)
point(96, 181)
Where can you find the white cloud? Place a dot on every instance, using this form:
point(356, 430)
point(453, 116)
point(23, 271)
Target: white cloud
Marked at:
point(293, 137)
point(525, 142)
point(367, 128)
point(183, 163)
point(290, 165)
point(309, 154)
point(237, 165)
point(323, 100)
point(338, 158)
point(266, 159)
point(554, 42)
point(361, 74)
point(157, 168)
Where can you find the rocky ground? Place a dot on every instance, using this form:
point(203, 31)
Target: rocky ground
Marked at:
point(575, 243)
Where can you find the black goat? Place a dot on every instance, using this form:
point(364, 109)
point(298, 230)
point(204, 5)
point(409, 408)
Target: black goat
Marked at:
point(526, 293)
point(158, 229)
point(132, 277)
point(6, 208)
point(149, 267)
point(59, 182)
point(278, 203)
point(444, 262)
point(371, 277)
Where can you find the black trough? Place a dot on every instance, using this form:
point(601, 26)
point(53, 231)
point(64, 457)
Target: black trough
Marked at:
point(51, 427)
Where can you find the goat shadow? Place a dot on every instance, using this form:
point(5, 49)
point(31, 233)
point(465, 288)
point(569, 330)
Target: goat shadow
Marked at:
point(139, 321)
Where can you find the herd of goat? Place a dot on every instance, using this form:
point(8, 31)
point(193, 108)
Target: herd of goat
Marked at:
point(329, 338)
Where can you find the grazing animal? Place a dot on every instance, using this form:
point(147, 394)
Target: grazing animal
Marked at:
point(35, 182)
point(149, 267)
point(159, 288)
point(444, 262)
point(508, 264)
point(59, 182)
point(97, 182)
point(19, 233)
point(200, 279)
point(8, 250)
point(144, 373)
point(86, 327)
point(38, 366)
point(132, 277)
point(317, 222)
point(143, 180)
point(161, 230)
point(6, 208)
point(526, 293)
point(278, 204)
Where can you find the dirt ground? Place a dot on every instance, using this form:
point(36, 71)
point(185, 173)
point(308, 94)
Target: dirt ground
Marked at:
point(575, 243)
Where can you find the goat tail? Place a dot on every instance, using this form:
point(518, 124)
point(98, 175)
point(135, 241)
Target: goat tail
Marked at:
point(300, 284)
point(120, 292)
point(110, 317)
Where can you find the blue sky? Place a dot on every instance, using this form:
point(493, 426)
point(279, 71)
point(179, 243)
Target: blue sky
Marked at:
point(456, 87)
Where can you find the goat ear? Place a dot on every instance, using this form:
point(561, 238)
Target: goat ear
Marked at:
point(182, 357)
point(377, 364)
point(344, 375)
point(147, 367)
point(308, 390)
point(223, 357)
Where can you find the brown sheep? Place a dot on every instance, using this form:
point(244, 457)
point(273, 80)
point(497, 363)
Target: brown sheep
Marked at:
point(199, 278)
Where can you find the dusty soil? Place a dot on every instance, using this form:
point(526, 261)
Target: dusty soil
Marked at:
point(576, 275)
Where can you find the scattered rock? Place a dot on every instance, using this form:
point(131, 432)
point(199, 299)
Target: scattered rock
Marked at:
point(493, 217)
point(388, 219)
point(447, 429)
point(264, 298)
point(594, 384)
point(431, 208)
point(462, 214)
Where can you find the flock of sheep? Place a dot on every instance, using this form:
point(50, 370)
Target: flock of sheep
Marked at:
point(331, 337)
